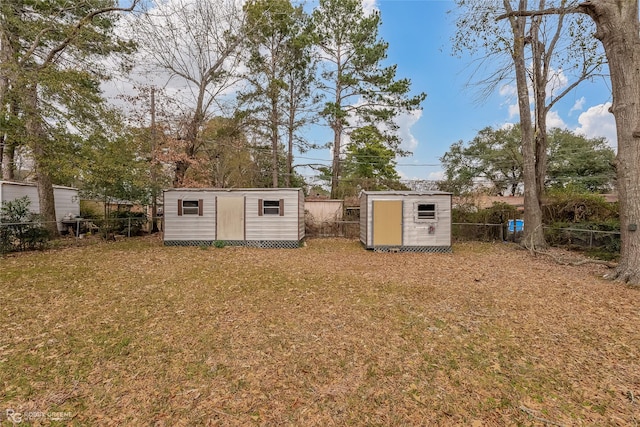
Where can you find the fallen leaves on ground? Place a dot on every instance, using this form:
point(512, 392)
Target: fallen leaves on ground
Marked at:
point(134, 333)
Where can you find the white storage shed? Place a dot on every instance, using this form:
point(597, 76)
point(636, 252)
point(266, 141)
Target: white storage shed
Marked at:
point(67, 200)
point(260, 217)
point(408, 221)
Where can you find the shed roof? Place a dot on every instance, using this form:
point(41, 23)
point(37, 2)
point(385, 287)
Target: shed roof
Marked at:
point(231, 190)
point(406, 193)
point(35, 184)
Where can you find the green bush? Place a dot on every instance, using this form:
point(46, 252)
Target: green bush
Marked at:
point(20, 229)
point(603, 236)
point(573, 207)
point(122, 222)
point(498, 213)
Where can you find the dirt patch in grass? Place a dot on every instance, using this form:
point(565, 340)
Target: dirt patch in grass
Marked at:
point(132, 333)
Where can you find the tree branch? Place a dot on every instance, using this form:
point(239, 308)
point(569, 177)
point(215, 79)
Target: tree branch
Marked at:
point(81, 23)
point(551, 11)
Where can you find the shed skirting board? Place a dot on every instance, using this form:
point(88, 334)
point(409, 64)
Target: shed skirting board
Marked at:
point(424, 249)
point(269, 244)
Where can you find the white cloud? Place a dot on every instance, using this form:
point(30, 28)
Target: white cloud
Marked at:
point(557, 81)
point(508, 90)
point(514, 110)
point(555, 121)
point(578, 105)
point(598, 122)
point(369, 6)
point(507, 125)
point(436, 176)
point(405, 122)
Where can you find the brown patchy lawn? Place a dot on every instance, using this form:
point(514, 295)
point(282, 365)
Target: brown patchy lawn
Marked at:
point(134, 333)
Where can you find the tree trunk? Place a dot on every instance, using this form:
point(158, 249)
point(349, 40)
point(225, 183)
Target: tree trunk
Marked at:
point(274, 141)
point(180, 173)
point(540, 77)
point(38, 140)
point(533, 232)
point(6, 167)
point(290, 135)
point(335, 169)
point(618, 30)
point(8, 160)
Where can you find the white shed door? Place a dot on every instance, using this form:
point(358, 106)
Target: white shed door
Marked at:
point(230, 218)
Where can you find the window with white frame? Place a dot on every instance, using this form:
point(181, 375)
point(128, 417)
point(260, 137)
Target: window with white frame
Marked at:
point(271, 207)
point(425, 211)
point(191, 207)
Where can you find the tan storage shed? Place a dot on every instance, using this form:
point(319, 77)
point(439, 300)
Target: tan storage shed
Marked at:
point(259, 217)
point(408, 221)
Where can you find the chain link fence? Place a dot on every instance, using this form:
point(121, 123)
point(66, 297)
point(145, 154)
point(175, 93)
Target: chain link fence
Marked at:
point(347, 229)
point(33, 235)
point(23, 236)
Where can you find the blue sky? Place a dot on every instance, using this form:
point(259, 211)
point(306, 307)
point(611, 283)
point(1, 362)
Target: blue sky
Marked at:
point(418, 33)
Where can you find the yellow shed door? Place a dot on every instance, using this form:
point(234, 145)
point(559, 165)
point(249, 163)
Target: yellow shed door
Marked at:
point(230, 218)
point(387, 222)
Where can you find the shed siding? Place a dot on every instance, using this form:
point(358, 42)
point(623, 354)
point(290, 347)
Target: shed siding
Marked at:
point(12, 192)
point(301, 207)
point(67, 202)
point(287, 225)
point(189, 227)
point(415, 233)
point(272, 227)
point(66, 199)
point(364, 219)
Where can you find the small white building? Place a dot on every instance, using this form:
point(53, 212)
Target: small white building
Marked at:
point(409, 221)
point(260, 217)
point(67, 200)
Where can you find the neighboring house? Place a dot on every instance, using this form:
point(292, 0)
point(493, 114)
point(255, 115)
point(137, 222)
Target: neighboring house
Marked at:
point(265, 217)
point(407, 221)
point(67, 201)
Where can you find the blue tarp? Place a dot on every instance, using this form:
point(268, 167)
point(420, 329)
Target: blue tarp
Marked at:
point(519, 225)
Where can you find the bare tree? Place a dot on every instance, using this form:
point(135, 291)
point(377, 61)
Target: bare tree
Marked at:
point(618, 28)
point(195, 42)
point(539, 48)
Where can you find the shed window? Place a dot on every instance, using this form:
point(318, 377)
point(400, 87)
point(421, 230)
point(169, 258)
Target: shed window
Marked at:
point(190, 207)
point(270, 207)
point(426, 211)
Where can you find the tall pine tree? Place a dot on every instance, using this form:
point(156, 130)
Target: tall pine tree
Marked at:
point(359, 88)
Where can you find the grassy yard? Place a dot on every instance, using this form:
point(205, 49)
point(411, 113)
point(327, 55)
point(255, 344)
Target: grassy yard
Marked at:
point(134, 333)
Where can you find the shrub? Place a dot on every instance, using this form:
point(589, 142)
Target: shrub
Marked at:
point(20, 229)
point(123, 222)
point(498, 213)
point(573, 207)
